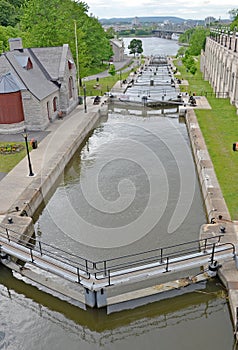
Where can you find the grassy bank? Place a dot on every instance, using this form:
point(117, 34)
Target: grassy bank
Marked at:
point(104, 84)
point(219, 127)
point(9, 160)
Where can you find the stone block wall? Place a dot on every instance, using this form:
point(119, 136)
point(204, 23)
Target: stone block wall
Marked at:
point(219, 65)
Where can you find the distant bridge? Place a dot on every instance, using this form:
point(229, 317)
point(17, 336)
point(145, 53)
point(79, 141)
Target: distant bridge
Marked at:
point(166, 33)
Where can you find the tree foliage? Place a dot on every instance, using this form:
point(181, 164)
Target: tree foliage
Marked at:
point(9, 12)
point(198, 40)
point(234, 15)
point(195, 38)
point(62, 21)
point(112, 69)
point(5, 34)
point(135, 46)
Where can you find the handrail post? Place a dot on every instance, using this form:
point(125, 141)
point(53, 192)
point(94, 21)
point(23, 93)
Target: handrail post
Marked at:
point(40, 248)
point(78, 275)
point(8, 237)
point(161, 255)
point(105, 267)
point(32, 260)
point(86, 265)
point(205, 248)
point(109, 278)
point(213, 252)
point(167, 265)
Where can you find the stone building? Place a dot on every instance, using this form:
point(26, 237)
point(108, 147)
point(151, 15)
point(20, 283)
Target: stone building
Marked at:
point(118, 50)
point(36, 85)
point(219, 64)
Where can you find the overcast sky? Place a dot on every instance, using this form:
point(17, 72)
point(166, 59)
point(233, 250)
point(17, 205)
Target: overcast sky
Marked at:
point(194, 9)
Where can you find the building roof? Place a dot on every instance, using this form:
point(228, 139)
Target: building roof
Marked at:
point(117, 42)
point(44, 74)
point(9, 83)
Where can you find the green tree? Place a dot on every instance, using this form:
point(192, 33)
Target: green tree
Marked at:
point(5, 34)
point(234, 16)
point(110, 33)
point(181, 51)
point(7, 14)
point(135, 46)
point(185, 37)
point(112, 69)
point(58, 22)
point(197, 41)
point(97, 43)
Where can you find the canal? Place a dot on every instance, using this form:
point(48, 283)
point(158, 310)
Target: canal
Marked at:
point(131, 187)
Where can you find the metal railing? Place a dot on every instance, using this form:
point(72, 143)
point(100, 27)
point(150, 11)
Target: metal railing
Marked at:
point(105, 270)
point(162, 257)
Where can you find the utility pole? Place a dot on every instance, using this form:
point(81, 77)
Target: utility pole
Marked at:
point(77, 56)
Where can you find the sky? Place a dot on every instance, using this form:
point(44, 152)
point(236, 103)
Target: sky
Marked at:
point(187, 9)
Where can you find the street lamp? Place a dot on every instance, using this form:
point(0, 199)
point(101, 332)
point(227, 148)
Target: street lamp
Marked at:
point(85, 102)
point(28, 155)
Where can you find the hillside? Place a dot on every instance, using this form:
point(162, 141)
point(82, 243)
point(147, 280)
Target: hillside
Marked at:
point(160, 19)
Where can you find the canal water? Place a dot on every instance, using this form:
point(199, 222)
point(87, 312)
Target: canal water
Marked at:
point(131, 187)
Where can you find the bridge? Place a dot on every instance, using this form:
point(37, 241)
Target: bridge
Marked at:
point(94, 278)
point(166, 33)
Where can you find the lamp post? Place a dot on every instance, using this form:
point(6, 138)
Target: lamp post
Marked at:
point(85, 99)
point(28, 155)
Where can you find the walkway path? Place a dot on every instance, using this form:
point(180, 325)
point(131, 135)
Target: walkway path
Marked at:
point(118, 65)
point(50, 148)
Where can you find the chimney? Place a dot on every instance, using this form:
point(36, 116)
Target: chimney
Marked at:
point(15, 44)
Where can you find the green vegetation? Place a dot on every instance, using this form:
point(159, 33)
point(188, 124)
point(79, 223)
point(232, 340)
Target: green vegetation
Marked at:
point(104, 84)
point(9, 12)
point(234, 15)
point(112, 70)
point(9, 161)
point(219, 127)
point(136, 32)
point(195, 39)
point(60, 22)
point(135, 47)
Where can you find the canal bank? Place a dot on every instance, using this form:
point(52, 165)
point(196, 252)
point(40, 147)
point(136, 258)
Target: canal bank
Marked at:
point(219, 221)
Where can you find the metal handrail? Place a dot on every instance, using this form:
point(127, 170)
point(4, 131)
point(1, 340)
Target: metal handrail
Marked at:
point(161, 250)
point(122, 265)
point(102, 274)
point(85, 265)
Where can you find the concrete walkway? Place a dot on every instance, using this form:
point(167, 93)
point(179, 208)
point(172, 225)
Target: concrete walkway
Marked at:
point(49, 147)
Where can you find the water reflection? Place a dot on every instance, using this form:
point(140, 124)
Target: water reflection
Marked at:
point(204, 314)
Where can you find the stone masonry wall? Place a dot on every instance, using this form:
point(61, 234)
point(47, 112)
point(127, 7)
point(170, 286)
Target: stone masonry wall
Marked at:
point(219, 65)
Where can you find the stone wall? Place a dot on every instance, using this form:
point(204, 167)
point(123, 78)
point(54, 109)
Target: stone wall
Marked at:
point(219, 64)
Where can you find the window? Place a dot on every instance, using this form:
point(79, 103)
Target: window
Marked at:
point(70, 64)
point(70, 87)
point(55, 104)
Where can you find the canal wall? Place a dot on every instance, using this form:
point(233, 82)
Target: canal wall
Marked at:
point(219, 64)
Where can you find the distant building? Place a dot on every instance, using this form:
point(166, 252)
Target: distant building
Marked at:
point(36, 84)
point(118, 50)
point(209, 20)
point(135, 22)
